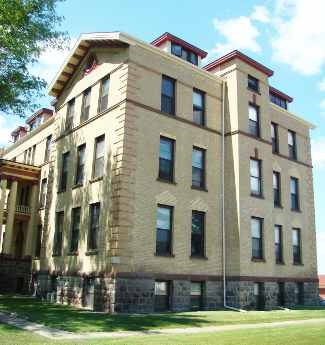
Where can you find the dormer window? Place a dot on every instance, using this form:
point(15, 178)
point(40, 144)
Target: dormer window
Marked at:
point(184, 54)
point(278, 101)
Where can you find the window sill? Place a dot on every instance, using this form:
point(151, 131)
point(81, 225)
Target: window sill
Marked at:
point(96, 179)
point(298, 210)
point(298, 264)
point(76, 253)
point(166, 181)
point(280, 263)
point(202, 189)
point(165, 255)
point(92, 252)
point(77, 186)
point(258, 260)
point(198, 257)
point(56, 255)
point(258, 196)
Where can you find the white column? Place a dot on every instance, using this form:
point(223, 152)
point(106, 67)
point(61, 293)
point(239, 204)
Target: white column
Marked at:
point(31, 228)
point(11, 210)
point(3, 189)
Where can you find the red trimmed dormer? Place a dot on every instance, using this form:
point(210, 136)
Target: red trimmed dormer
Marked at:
point(180, 48)
point(38, 118)
point(279, 98)
point(18, 133)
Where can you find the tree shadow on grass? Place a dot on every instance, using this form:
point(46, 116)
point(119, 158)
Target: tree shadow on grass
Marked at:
point(79, 320)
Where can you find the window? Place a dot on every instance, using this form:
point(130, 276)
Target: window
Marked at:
point(80, 171)
point(296, 246)
point(278, 244)
point(198, 107)
point(277, 189)
point(43, 192)
point(70, 115)
point(278, 101)
point(38, 245)
point(103, 99)
point(198, 168)
point(292, 147)
point(275, 138)
point(196, 295)
point(98, 169)
point(93, 226)
point(47, 148)
point(254, 120)
point(168, 95)
point(256, 177)
point(64, 172)
point(164, 230)
point(85, 105)
point(75, 229)
point(58, 235)
point(257, 237)
point(166, 159)
point(197, 236)
point(184, 54)
point(294, 191)
point(252, 83)
point(162, 292)
point(259, 293)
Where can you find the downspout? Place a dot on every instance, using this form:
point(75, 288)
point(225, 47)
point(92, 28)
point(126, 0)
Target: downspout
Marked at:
point(223, 201)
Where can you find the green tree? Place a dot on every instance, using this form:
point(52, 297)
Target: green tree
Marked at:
point(27, 28)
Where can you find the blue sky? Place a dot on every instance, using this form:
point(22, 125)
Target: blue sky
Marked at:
point(286, 35)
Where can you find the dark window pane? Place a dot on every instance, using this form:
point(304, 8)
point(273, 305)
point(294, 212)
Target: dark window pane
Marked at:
point(163, 230)
point(168, 95)
point(255, 177)
point(252, 83)
point(198, 107)
point(197, 237)
point(196, 295)
point(162, 295)
point(64, 172)
point(294, 193)
point(166, 159)
point(257, 240)
point(70, 114)
point(58, 235)
point(254, 125)
point(103, 99)
point(278, 243)
point(275, 139)
point(276, 189)
point(75, 229)
point(93, 226)
point(80, 165)
point(85, 105)
point(176, 50)
point(296, 246)
point(198, 168)
point(292, 148)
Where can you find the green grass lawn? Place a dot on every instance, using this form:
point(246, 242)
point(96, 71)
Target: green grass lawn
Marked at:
point(302, 335)
point(77, 320)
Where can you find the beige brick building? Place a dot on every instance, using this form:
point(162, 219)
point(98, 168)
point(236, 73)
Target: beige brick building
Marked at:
point(157, 183)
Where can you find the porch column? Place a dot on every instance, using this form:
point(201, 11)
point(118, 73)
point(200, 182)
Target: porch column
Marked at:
point(11, 210)
point(3, 189)
point(31, 228)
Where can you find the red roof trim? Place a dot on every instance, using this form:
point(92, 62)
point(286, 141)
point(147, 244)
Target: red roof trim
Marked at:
point(169, 37)
point(280, 94)
point(238, 55)
point(39, 112)
point(321, 280)
point(17, 130)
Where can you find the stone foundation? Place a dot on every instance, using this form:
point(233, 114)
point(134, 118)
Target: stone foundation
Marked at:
point(15, 274)
point(137, 295)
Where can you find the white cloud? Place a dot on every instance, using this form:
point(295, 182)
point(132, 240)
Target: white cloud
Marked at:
point(318, 152)
point(321, 251)
point(300, 34)
point(261, 14)
point(50, 61)
point(239, 33)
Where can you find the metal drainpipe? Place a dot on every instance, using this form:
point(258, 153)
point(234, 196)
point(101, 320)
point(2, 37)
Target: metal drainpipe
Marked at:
point(223, 201)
